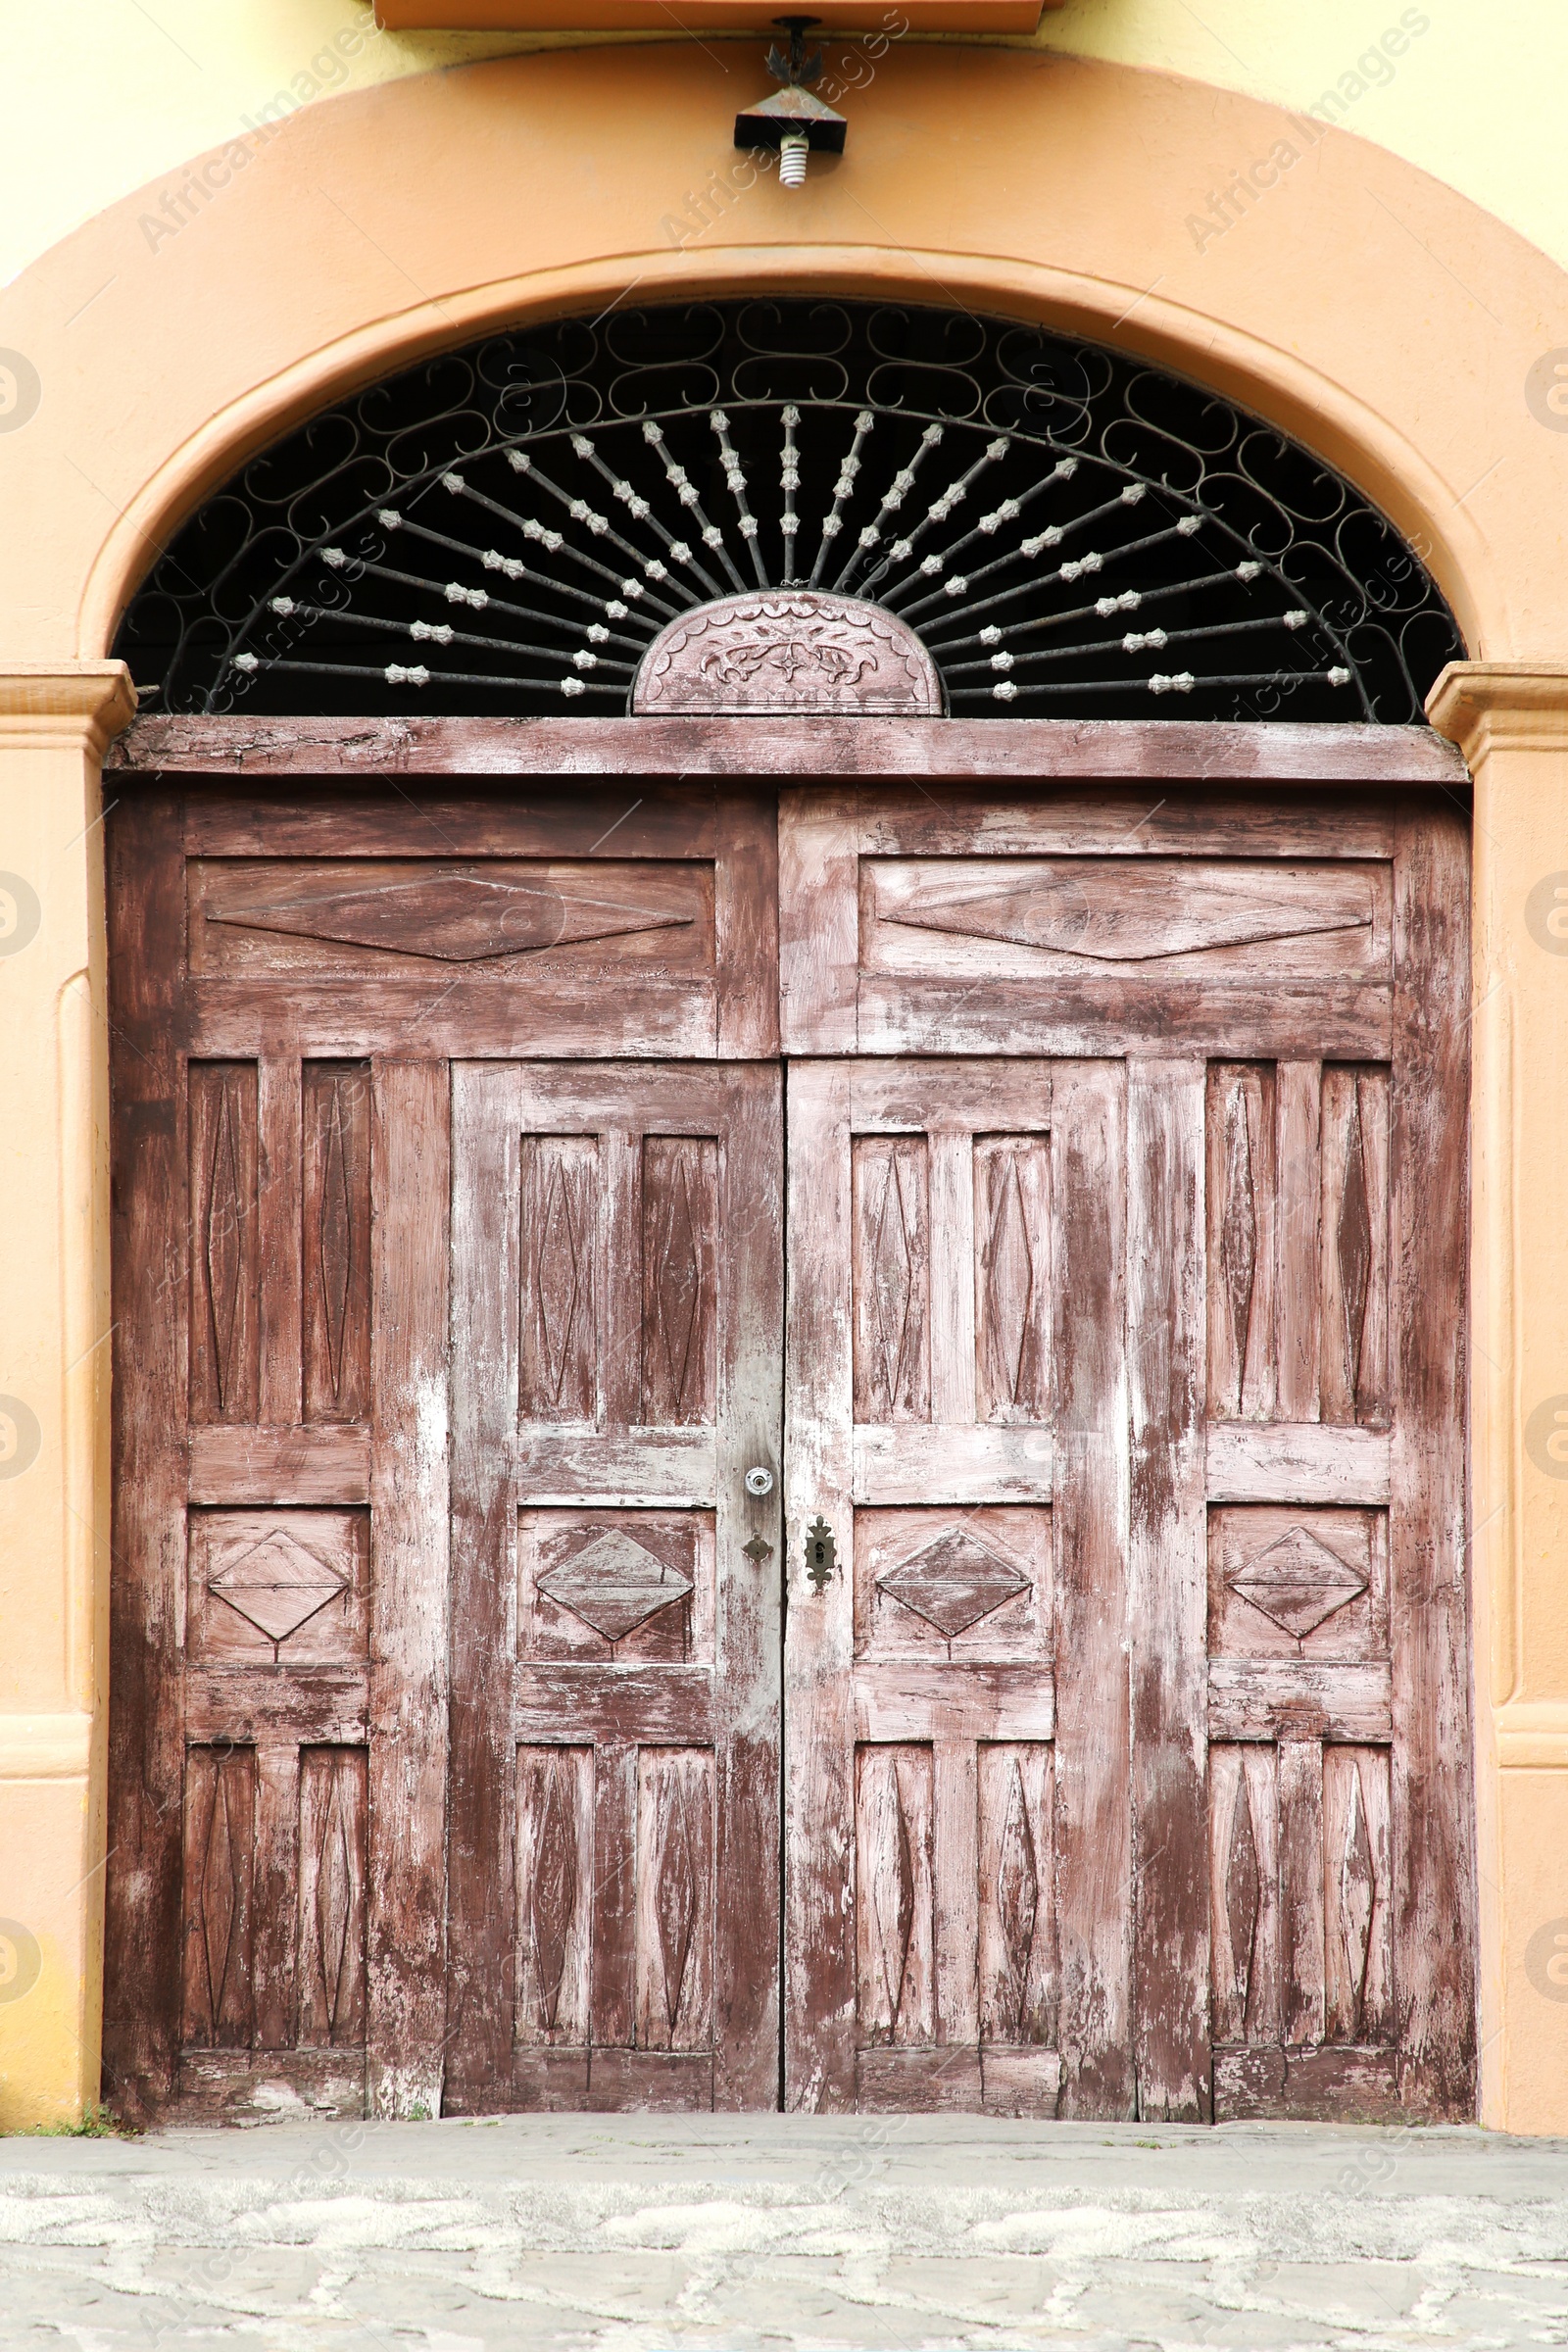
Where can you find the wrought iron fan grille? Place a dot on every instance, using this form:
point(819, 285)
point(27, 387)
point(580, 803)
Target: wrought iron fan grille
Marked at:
point(506, 528)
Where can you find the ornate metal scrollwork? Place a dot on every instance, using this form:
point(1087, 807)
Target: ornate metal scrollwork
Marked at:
point(980, 513)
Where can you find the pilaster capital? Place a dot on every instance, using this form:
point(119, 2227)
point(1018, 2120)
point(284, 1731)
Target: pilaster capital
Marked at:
point(1486, 706)
point(64, 706)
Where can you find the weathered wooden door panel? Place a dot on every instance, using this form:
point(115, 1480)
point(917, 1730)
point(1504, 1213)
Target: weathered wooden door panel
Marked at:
point(638, 922)
point(292, 973)
point(615, 1798)
point(1081, 923)
point(1339, 1787)
point(305, 1669)
point(1238, 1395)
point(1126, 1711)
point(921, 1952)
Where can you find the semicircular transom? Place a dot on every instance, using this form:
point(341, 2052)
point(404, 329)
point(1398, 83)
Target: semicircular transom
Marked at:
point(797, 651)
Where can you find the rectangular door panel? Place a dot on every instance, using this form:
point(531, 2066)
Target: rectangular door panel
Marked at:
point(921, 1942)
point(283, 1507)
point(1081, 923)
point(1231, 1380)
point(605, 921)
point(1337, 1829)
point(291, 972)
point(617, 1270)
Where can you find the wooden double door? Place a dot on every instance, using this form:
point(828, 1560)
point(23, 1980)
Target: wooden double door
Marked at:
point(789, 1445)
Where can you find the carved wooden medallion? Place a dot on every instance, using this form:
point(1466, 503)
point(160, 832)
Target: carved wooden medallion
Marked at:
point(955, 1582)
point(790, 650)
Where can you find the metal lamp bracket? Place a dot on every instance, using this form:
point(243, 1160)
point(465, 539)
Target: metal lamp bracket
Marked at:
point(794, 119)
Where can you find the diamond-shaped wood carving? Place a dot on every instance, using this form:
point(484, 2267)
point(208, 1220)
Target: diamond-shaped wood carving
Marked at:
point(1298, 1583)
point(1238, 1252)
point(453, 916)
point(892, 1272)
point(1010, 1284)
point(954, 1582)
point(560, 1276)
point(278, 1583)
point(1017, 1895)
point(225, 1244)
point(1115, 913)
point(614, 1583)
point(1357, 1895)
point(1354, 1238)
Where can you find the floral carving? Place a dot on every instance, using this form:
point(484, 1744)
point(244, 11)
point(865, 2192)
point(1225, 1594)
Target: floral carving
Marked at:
point(803, 652)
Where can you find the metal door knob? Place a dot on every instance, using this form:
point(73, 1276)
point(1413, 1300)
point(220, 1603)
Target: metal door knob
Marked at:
point(758, 1481)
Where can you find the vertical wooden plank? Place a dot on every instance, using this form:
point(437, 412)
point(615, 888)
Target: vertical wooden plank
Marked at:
point(487, 1237)
point(892, 1277)
point(1428, 1560)
point(1093, 1809)
point(894, 1906)
point(1260, 1768)
point(555, 1894)
point(819, 1974)
point(1355, 1234)
point(560, 1277)
point(820, 918)
point(614, 1920)
point(748, 1686)
point(1241, 1197)
point(1227, 1811)
point(334, 1888)
point(955, 1873)
point(336, 1240)
point(1358, 1895)
point(277, 1880)
point(1244, 1893)
point(151, 1288)
point(1372, 1363)
point(621, 1272)
point(1298, 1093)
point(1167, 1582)
point(278, 1222)
point(224, 1256)
point(674, 1901)
point(411, 1177)
point(1301, 1783)
point(746, 909)
point(680, 1246)
point(1011, 1208)
point(220, 1884)
point(1017, 1941)
point(952, 1260)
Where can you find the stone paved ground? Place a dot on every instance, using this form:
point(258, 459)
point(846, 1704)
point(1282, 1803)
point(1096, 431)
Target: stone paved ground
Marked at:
point(645, 2234)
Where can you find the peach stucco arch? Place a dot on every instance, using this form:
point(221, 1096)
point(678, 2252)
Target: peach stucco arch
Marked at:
point(1371, 311)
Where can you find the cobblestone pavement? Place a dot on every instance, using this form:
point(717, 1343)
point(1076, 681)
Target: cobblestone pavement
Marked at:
point(654, 2234)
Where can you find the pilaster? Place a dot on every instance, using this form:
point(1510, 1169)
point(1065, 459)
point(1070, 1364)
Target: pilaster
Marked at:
point(1510, 721)
point(55, 721)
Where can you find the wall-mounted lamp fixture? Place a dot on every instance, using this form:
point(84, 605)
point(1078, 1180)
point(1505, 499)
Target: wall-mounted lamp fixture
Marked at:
point(794, 119)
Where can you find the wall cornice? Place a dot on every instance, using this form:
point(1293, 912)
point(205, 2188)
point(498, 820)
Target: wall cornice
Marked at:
point(1502, 706)
point(51, 705)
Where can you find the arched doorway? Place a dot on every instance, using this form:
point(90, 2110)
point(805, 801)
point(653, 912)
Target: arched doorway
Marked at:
point(517, 1623)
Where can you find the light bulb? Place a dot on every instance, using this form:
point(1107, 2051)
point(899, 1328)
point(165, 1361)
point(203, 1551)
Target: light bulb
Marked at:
point(793, 150)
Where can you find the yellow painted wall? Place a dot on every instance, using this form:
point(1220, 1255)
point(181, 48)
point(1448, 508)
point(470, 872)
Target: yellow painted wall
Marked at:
point(104, 97)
